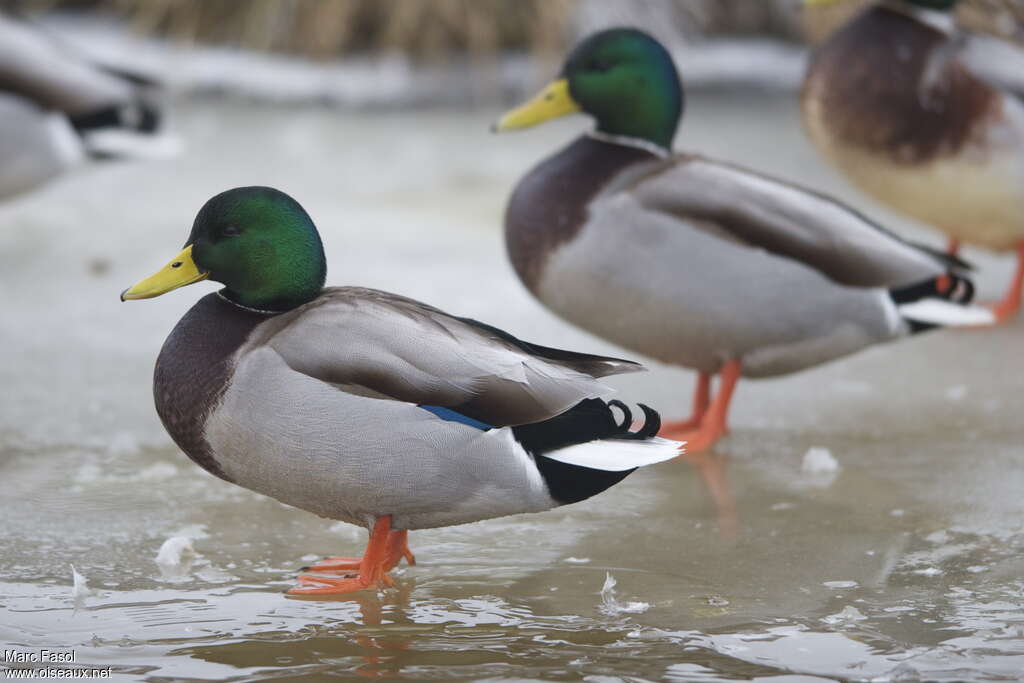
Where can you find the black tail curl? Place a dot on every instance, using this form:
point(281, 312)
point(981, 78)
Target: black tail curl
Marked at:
point(951, 287)
point(589, 420)
point(650, 427)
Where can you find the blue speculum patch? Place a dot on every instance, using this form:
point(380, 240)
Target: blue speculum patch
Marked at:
point(449, 415)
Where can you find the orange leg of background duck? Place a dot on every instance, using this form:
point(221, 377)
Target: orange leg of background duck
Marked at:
point(384, 551)
point(1008, 307)
point(712, 424)
point(701, 398)
point(1011, 302)
point(701, 432)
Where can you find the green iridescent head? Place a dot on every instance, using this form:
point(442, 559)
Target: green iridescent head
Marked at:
point(257, 241)
point(622, 77)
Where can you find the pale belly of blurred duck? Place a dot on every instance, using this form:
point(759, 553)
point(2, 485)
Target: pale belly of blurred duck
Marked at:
point(975, 194)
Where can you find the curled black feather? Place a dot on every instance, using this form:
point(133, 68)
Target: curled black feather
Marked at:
point(627, 415)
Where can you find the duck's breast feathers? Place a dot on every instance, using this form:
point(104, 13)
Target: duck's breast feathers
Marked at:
point(382, 345)
point(549, 206)
point(195, 367)
point(787, 220)
point(888, 83)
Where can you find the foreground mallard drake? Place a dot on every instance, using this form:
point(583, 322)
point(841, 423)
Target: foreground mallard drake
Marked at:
point(895, 101)
point(58, 109)
point(700, 263)
point(369, 407)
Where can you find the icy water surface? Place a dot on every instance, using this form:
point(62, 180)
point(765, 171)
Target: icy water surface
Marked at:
point(903, 563)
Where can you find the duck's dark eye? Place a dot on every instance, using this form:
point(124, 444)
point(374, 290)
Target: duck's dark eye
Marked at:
point(230, 231)
point(598, 65)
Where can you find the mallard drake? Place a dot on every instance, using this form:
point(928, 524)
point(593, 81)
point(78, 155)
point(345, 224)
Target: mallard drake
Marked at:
point(368, 407)
point(896, 103)
point(58, 110)
point(701, 263)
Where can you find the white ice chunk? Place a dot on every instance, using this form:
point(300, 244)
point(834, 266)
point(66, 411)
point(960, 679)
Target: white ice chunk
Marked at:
point(819, 460)
point(956, 393)
point(175, 558)
point(80, 589)
point(928, 571)
point(840, 584)
point(610, 606)
point(844, 616)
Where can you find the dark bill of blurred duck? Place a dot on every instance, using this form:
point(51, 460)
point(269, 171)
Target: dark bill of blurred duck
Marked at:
point(701, 263)
point(58, 109)
point(363, 406)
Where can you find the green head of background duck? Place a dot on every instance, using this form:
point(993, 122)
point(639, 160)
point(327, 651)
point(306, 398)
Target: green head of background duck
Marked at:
point(622, 77)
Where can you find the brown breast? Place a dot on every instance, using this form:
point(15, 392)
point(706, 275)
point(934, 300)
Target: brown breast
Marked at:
point(193, 370)
point(549, 205)
point(891, 85)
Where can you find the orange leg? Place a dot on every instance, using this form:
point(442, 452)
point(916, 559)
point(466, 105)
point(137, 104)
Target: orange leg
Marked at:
point(397, 548)
point(713, 425)
point(701, 399)
point(1010, 304)
point(383, 551)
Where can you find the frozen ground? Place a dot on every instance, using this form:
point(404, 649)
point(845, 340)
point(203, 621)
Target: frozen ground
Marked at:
point(891, 551)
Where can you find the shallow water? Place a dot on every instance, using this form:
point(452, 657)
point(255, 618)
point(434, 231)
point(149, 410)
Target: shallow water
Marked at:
point(905, 563)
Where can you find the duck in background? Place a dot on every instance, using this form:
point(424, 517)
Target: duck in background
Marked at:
point(57, 110)
point(701, 263)
point(899, 102)
point(368, 407)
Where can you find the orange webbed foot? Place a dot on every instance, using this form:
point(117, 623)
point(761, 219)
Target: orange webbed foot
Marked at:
point(340, 575)
point(337, 585)
point(336, 564)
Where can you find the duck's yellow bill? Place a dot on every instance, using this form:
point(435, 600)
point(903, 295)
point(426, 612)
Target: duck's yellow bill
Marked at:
point(180, 271)
point(550, 103)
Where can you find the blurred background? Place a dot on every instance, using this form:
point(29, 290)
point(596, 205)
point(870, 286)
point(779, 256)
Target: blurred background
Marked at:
point(901, 562)
point(411, 48)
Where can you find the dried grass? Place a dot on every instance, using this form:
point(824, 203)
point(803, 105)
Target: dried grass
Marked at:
point(436, 29)
point(324, 28)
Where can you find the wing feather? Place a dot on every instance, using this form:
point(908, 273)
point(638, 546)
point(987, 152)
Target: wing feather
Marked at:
point(789, 221)
point(377, 344)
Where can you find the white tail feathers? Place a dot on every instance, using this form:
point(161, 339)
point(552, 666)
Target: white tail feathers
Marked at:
point(947, 313)
point(617, 455)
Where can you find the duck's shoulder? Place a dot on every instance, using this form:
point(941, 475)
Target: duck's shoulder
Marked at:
point(549, 206)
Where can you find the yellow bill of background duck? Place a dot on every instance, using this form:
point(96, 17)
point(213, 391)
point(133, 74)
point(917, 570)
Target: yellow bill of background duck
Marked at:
point(179, 271)
point(550, 103)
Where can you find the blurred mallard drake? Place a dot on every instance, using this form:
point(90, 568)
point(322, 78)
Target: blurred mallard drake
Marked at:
point(701, 263)
point(369, 407)
point(899, 102)
point(57, 109)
